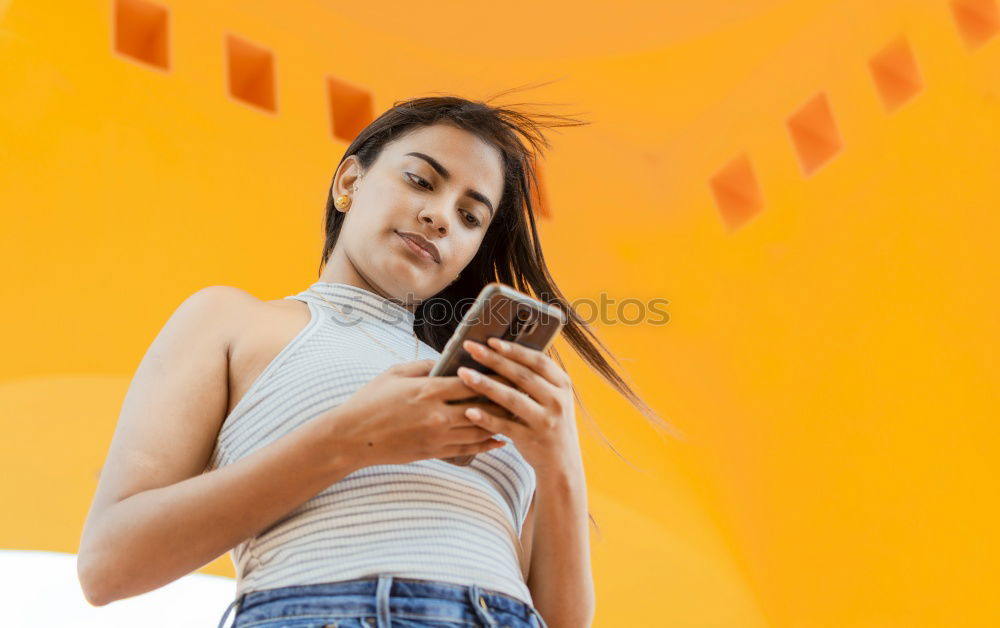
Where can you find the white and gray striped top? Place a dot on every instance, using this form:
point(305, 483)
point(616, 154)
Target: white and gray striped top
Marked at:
point(428, 519)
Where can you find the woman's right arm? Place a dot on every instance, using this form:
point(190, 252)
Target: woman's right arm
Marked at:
point(156, 516)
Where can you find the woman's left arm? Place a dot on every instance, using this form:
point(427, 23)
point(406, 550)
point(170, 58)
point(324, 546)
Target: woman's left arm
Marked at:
point(543, 428)
point(559, 575)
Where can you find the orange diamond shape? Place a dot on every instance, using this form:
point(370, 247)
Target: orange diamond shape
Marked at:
point(896, 75)
point(737, 193)
point(814, 134)
point(978, 21)
point(251, 73)
point(141, 29)
point(350, 108)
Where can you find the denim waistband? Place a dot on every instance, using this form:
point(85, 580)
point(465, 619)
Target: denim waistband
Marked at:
point(407, 587)
point(365, 595)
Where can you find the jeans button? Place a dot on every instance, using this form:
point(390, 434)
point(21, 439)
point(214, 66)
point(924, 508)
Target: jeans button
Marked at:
point(482, 602)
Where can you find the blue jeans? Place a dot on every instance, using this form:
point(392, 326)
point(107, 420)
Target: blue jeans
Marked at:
point(381, 602)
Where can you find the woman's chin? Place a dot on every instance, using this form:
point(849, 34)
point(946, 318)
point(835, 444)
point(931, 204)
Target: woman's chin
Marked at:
point(408, 279)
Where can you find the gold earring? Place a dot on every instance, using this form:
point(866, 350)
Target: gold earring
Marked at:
point(343, 202)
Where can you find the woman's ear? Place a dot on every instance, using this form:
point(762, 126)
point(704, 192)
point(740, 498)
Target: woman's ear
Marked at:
point(347, 178)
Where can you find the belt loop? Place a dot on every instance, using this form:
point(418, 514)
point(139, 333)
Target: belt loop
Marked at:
point(382, 591)
point(235, 603)
point(541, 622)
point(480, 606)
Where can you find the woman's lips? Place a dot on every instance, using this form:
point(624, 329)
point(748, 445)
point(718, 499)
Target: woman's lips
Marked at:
point(416, 248)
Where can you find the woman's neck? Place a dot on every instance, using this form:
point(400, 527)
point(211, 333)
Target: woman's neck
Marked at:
point(338, 270)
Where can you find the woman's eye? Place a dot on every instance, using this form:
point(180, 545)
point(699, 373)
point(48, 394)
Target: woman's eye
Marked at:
point(474, 222)
point(417, 180)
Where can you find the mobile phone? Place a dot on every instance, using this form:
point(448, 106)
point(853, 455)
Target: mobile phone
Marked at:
point(499, 311)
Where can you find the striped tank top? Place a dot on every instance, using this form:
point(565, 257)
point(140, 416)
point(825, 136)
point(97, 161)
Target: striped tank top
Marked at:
point(427, 519)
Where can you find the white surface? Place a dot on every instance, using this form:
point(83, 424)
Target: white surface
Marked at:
point(41, 589)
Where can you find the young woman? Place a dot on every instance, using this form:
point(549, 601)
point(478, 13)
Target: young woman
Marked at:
point(305, 436)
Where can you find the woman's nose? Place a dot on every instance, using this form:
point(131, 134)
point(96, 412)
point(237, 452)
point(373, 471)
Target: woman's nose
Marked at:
point(436, 221)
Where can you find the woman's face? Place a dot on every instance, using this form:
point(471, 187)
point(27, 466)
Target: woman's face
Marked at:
point(438, 186)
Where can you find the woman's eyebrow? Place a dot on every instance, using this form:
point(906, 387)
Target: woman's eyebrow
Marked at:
point(441, 170)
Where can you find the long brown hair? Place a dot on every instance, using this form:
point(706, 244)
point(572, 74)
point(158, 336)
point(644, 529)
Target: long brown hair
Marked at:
point(511, 252)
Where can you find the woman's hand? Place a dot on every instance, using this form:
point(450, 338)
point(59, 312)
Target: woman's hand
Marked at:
point(543, 425)
point(402, 415)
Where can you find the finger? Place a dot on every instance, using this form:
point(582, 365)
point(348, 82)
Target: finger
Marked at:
point(468, 434)
point(488, 406)
point(468, 449)
point(521, 377)
point(502, 380)
point(536, 360)
point(492, 408)
point(447, 387)
point(478, 401)
point(496, 424)
point(512, 399)
point(453, 389)
point(483, 403)
point(415, 368)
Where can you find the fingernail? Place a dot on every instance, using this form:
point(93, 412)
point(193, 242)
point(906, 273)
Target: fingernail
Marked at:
point(474, 413)
point(500, 344)
point(473, 347)
point(470, 373)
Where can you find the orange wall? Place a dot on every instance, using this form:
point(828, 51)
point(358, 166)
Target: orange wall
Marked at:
point(830, 350)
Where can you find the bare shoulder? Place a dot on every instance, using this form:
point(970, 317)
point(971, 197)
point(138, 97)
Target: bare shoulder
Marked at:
point(239, 315)
point(223, 310)
point(193, 373)
point(176, 400)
